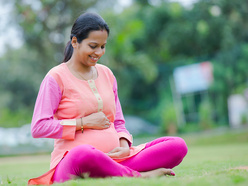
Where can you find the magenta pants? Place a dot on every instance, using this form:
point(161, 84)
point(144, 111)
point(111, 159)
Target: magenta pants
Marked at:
point(86, 161)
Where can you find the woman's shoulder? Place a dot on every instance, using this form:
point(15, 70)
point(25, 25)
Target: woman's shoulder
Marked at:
point(104, 68)
point(106, 71)
point(58, 73)
point(57, 70)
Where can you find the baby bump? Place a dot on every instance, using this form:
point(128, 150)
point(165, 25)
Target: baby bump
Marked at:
point(104, 140)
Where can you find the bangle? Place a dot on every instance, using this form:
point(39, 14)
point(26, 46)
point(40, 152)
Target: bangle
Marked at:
point(82, 127)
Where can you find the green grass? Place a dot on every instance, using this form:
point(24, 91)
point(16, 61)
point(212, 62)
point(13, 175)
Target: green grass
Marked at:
point(210, 161)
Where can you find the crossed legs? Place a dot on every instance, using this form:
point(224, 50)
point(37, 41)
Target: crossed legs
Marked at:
point(86, 161)
point(164, 152)
point(157, 158)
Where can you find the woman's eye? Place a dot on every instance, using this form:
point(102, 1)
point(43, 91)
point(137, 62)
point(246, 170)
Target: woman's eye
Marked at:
point(102, 47)
point(93, 47)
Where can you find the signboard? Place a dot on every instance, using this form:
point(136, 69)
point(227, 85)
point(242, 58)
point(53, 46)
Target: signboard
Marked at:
point(192, 78)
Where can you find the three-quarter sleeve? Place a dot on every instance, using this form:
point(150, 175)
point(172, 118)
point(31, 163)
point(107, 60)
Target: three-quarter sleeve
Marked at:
point(119, 122)
point(44, 125)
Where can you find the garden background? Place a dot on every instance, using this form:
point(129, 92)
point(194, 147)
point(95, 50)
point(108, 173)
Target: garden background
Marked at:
point(148, 40)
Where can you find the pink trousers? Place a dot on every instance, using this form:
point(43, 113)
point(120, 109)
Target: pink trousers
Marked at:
point(86, 161)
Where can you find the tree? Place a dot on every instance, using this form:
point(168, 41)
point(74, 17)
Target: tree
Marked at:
point(146, 43)
point(45, 27)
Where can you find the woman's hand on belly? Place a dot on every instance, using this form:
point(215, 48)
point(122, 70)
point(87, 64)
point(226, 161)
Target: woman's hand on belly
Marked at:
point(119, 152)
point(96, 121)
point(122, 151)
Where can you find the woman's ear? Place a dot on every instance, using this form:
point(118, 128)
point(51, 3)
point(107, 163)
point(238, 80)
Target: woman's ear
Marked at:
point(74, 42)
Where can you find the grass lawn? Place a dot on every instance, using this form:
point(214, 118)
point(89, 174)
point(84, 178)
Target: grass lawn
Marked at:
point(213, 159)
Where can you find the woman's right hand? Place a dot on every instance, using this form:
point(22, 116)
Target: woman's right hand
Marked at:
point(96, 121)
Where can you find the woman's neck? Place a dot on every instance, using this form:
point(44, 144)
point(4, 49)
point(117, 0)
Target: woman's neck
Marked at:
point(81, 71)
point(78, 67)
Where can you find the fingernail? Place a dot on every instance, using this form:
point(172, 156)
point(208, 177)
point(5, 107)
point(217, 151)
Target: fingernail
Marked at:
point(173, 174)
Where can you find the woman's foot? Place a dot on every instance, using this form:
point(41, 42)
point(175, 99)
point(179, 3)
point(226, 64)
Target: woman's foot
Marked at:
point(157, 173)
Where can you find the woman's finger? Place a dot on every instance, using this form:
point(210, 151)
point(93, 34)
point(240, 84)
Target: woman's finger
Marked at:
point(114, 154)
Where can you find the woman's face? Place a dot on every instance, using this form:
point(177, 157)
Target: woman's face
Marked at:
point(91, 49)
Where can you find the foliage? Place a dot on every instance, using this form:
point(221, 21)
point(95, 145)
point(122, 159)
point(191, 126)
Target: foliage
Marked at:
point(10, 118)
point(169, 120)
point(45, 29)
point(147, 41)
point(205, 113)
point(244, 118)
point(230, 77)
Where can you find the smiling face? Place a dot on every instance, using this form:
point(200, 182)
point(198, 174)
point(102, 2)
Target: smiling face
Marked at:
point(91, 49)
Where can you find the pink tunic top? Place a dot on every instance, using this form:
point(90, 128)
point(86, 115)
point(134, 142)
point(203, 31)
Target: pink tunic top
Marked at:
point(62, 98)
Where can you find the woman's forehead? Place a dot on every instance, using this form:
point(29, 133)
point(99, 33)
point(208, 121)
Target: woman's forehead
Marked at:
point(97, 36)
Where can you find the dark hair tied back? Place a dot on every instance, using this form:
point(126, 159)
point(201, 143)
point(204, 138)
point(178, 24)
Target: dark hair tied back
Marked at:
point(84, 24)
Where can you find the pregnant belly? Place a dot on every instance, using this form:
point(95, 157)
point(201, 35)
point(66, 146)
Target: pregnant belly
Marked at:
point(104, 140)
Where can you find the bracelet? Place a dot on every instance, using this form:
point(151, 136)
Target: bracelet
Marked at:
point(82, 127)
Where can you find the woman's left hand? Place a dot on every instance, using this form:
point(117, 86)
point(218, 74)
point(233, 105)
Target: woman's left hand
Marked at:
point(119, 152)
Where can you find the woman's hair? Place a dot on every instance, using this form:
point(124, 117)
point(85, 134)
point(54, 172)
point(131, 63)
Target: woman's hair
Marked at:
point(83, 25)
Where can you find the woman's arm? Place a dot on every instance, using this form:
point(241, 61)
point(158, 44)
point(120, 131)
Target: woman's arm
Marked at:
point(97, 121)
point(43, 123)
point(124, 135)
point(119, 122)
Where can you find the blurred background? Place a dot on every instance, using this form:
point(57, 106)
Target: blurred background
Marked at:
point(181, 66)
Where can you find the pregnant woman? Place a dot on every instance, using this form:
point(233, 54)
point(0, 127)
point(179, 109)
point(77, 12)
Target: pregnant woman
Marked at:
point(78, 106)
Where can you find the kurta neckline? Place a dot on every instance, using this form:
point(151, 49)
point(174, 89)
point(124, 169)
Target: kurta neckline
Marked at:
point(71, 74)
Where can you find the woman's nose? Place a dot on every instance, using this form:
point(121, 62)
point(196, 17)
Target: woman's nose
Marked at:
point(100, 51)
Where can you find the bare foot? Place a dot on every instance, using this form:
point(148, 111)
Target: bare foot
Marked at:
point(157, 173)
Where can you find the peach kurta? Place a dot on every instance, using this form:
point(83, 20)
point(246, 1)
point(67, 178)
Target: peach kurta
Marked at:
point(63, 98)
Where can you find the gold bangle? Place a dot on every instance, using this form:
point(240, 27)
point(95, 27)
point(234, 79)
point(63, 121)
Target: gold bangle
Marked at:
point(82, 127)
